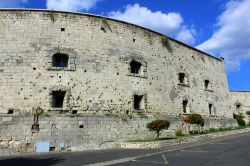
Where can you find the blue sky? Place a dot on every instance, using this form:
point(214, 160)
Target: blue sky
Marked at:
point(219, 27)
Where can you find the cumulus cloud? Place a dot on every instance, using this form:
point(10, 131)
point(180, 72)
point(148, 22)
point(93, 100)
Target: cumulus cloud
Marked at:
point(168, 23)
point(12, 3)
point(231, 39)
point(71, 5)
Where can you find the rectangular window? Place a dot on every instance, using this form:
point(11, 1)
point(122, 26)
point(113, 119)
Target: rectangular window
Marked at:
point(135, 67)
point(60, 60)
point(138, 102)
point(184, 106)
point(58, 99)
point(210, 107)
point(181, 78)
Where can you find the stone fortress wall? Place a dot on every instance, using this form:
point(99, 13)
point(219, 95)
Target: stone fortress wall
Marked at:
point(240, 102)
point(95, 77)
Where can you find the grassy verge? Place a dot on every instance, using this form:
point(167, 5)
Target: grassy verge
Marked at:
point(151, 139)
point(211, 130)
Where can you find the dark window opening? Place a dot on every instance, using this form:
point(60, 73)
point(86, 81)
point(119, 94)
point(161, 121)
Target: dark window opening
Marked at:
point(135, 67)
point(74, 112)
point(138, 102)
point(62, 29)
point(103, 29)
point(35, 126)
point(127, 112)
point(238, 106)
point(52, 149)
point(181, 77)
point(11, 111)
point(133, 40)
point(210, 106)
point(80, 126)
point(58, 98)
point(60, 60)
point(206, 84)
point(184, 105)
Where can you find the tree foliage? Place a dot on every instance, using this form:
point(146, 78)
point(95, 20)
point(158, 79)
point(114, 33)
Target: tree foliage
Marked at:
point(240, 119)
point(157, 126)
point(194, 119)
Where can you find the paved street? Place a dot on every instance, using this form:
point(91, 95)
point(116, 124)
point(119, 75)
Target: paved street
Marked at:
point(224, 151)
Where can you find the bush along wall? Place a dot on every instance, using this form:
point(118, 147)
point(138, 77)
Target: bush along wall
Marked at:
point(240, 119)
point(196, 122)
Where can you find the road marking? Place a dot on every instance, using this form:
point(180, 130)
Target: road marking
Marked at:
point(220, 143)
point(193, 151)
point(124, 160)
point(145, 161)
point(164, 158)
point(196, 150)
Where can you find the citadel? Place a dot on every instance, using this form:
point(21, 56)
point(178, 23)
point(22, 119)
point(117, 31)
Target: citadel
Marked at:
point(74, 81)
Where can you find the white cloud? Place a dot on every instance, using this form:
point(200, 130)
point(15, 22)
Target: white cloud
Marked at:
point(232, 38)
point(12, 3)
point(71, 5)
point(186, 35)
point(168, 23)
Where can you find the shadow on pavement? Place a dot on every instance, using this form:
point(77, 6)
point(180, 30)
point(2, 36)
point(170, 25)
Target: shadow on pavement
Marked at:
point(30, 161)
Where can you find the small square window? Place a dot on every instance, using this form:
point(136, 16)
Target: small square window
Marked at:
point(52, 149)
point(135, 67)
point(10, 111)
point(60, 60)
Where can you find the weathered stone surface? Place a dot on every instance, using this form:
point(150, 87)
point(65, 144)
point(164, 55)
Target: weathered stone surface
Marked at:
point(241, 103)
point(98, 76)
point(98, 84)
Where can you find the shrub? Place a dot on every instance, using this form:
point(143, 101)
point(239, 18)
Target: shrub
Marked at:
point(248, 112)
point(239, 117)
point(165, 43)
point(212, 130)
point(194, 119)
point(157, 126)
point(178, 132)
point(241, 122)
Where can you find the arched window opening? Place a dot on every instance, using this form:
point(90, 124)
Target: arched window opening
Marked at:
point(206, 83)
point(60, 60)
point(238, 107)
point(182, 78)
point(135, 67)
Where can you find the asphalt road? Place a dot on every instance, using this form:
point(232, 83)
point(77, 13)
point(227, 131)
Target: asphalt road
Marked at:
point(225, 151)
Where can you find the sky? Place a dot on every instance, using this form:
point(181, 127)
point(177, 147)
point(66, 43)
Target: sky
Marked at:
point(218, 27)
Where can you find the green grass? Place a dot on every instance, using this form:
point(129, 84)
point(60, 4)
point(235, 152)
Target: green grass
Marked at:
point(151, 139)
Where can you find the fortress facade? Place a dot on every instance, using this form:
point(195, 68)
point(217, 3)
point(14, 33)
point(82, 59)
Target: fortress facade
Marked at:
point(97, 81)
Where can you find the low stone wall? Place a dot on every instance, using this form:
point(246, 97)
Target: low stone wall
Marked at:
point(164, 143)
point(67, 132)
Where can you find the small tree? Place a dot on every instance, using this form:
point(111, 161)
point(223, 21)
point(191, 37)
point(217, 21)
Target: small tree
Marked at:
point(157, 126)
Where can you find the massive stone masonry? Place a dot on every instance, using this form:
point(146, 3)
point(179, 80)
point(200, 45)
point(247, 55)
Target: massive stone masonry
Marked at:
point(94, 81)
